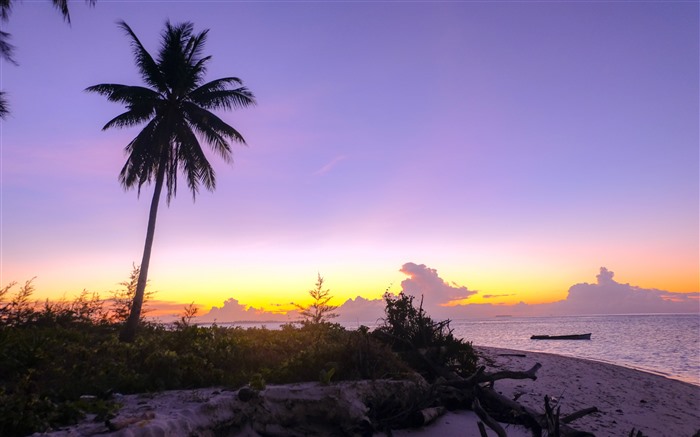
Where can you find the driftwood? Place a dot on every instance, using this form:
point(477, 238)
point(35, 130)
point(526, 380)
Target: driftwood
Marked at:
point(491, 407)
point(488, 420)
point(482, 429)
point(477, 393)
point(509, 411)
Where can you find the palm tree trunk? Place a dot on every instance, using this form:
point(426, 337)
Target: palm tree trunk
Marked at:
point(129, 332)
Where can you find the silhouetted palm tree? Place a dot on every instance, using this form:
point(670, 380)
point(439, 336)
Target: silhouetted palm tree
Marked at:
point(176, 110)
point(6, 48)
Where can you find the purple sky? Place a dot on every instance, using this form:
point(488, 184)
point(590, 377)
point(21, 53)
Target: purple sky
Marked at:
point(514, 147)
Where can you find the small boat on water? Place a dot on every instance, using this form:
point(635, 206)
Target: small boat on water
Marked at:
point(562, 337)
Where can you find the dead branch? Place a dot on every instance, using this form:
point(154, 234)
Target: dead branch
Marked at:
point(482, 429)
point(488, 420)
point(480, 376)
point(509, 374)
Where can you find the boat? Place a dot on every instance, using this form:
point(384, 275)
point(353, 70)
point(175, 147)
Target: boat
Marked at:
point(562, 337)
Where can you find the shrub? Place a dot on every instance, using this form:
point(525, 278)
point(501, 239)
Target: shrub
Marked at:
point(421, 341)
point(53, 354)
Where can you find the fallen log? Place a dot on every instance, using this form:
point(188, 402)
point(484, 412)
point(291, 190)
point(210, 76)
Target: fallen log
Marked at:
point(509, 374)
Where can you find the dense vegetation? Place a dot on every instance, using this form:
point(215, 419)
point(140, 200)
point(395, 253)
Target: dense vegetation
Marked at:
point(59, 361)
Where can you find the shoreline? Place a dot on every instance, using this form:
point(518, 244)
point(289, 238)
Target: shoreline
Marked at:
point(642, 369)
point(626, 398)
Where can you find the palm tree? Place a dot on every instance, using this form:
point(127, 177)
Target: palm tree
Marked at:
point(175, 107)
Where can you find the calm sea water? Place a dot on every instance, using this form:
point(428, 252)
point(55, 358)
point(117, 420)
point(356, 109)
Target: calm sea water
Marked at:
point(667, 344)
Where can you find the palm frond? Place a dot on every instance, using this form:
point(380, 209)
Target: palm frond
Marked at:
point(223, 99)
point(195, 46)
point(218, 84)
point(62, 6)
point(129, 95)
point(4, 106)
point(5, 9)
point(180, 58)
point(137, 114)
point(142, 157)
point(150, 73)
point(6, 49)
point(193, 162)
point(195, 75)
point(171, 56)
point(210, 125)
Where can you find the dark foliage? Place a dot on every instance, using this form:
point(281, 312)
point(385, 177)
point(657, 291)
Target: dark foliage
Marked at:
point(55, 354)
point(51, 355)
point(420, 341)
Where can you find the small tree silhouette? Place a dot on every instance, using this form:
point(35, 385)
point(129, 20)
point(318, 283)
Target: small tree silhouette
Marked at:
point(123, 299)
point(319, 311)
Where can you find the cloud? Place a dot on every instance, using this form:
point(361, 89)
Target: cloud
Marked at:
point(424, 281)
point(608, 296)
point(491, 296)
point(233, 311)
point(361, 310)
point(605, 296)
point(328, 167)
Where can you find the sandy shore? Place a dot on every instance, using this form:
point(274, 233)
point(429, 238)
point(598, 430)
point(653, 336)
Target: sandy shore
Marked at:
point(625, 398)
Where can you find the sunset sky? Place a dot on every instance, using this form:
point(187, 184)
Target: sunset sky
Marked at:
point(514, 147)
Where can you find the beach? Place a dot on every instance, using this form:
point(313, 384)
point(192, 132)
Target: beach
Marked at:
point(626, 399)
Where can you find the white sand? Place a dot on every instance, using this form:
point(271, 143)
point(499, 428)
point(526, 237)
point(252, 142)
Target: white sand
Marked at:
point(626, 398)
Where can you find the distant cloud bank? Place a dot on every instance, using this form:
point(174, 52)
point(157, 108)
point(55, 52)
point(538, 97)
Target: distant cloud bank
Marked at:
point(232, 311)
point(442, 300)
point(610, 297)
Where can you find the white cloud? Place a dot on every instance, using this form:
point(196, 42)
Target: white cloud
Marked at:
point(608, 296)
point(367, 311)
point(424, 281)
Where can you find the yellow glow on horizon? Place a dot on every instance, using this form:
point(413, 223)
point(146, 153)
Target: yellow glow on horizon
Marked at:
point(272, 279)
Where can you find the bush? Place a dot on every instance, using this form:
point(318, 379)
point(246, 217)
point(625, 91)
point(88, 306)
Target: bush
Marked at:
point(418, 339)
point(45, 368)
point(51, 355)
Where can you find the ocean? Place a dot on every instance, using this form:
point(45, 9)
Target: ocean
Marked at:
point(666, 344)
